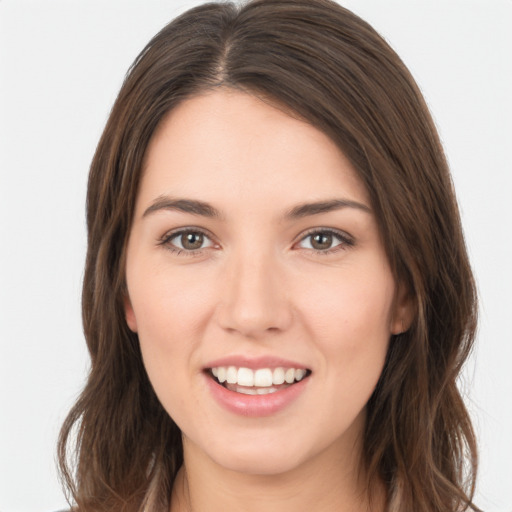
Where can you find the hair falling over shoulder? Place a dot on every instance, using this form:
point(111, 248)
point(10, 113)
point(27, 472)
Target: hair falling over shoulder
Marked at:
point(118, 449)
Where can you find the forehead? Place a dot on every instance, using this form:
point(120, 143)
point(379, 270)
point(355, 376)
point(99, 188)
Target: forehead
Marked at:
point(228, 145)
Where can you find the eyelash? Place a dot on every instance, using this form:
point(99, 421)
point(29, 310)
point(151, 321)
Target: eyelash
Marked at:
point(166, 241)
point(345, 241)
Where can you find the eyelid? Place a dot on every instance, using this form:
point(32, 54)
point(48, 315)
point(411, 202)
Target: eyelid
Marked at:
point(346, 240)
point(165, 240)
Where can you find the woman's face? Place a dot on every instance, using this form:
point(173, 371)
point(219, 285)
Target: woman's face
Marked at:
point(255, 256)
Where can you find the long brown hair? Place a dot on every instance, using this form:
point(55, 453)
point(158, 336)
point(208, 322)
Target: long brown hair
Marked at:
point(327, 66)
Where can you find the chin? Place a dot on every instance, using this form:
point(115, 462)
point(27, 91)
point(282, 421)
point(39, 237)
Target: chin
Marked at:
point(254, 462)
point(254, 453)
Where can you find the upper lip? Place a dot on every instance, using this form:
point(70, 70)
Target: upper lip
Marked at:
point(241, 361)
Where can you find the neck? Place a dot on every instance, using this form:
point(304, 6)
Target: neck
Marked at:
point(331, 482)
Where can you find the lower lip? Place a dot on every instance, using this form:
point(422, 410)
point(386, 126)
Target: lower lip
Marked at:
point(255, 405)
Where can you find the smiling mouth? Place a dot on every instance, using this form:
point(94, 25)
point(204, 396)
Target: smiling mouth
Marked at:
point(262, 381)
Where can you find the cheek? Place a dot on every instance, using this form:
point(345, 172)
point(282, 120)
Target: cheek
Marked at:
point(169, 312)
point(350, 323)
point(353, 307)
point(167, 303)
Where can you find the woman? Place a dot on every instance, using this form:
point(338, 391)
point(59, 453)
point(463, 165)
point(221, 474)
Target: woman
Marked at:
point(277, 298)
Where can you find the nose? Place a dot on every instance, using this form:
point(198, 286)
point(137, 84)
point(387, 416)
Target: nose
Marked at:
point(254, 300)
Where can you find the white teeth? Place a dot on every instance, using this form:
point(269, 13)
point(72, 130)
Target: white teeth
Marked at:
point(299, 374)
point(245, 377)
point(246, 391)
point(278, 376)
point(265, 391)
point(260, 378)
point(289, 376)
point(263, 377)
point(231, 375)
point(221, 374)
point(251, 390)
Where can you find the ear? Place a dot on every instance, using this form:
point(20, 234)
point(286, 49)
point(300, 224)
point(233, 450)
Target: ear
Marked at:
point(403, 311)
point(129, 314)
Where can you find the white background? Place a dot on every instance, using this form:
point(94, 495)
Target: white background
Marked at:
point(61, 65)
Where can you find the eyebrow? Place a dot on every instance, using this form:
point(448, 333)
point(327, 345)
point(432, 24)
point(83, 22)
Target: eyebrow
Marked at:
point(306, 209)
point(204, 209)
point(183, 205)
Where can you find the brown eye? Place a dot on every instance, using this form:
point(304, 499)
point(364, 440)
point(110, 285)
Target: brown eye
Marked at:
point(192, 241)
point(326, 241)
point(187, 241)
point(321, 241)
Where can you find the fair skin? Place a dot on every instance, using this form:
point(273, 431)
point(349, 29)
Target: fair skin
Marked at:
point(249, 277)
